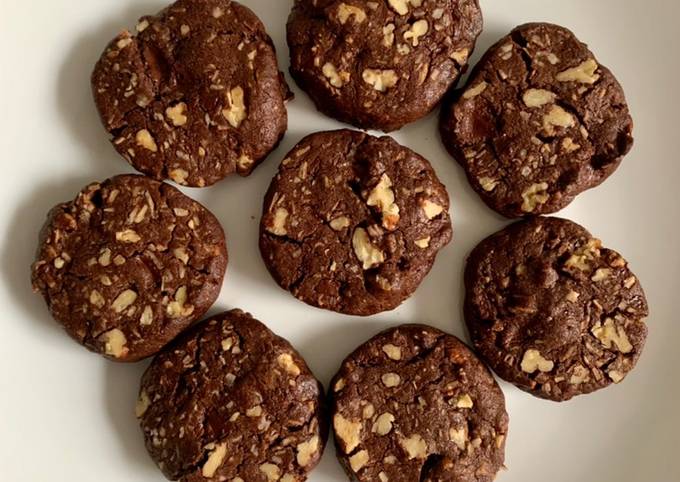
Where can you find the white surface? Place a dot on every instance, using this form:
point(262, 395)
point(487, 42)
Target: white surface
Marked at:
point(67, 415)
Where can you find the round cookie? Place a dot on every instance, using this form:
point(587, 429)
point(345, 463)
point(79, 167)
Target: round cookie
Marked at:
point(552, 311)
point(414, 403)
point(231, 401)
point(540, 121)
point(194, 94)
point(380, 64)
point(128, 264)
point(353, 223)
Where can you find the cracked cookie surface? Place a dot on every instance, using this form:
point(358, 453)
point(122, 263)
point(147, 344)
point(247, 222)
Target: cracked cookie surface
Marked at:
point(194, 94)
point(380, 64)
point(129, 264)
point(553, 311)
point(539, 122)
point(353, 223)
point(231, 401)
point(414, 403)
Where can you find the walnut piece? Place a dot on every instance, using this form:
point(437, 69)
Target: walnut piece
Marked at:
point(143, 404)
point(383, 424)
point(271, 471)
point(391, 380)
point(538, 97)
point(458, 437)
point(369, 255)
point(414, 446)
point(145, 140)
point(535, 195)
point(533, 361)
point(114, 343)
point(358, 460)
point(177, 114)
point(473, 92)
point(382, 197)
point(417, 30)
point(285, 361)
point(335, 78)
point(393, 352)
point(609, 335)
point(339, 223)
point(347, 431)
point(215, 459)
point(380, 80)
point(236, 112)
point(278, 222)
point(581, 259)
point(583, 73)
point(307, 450)
point(346, 11)
point(431, 209)
point(124, 300)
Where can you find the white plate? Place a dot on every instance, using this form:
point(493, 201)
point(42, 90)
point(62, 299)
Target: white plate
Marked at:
point(67, 415)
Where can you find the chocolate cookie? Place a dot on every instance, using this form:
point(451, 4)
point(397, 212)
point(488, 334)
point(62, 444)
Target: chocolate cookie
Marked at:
point(195, 94)
point(552, 311)
point(231, 401)
point(414, 403)
point(380, 64)
point(128, 264)
point(353, 223)
point(539, 122)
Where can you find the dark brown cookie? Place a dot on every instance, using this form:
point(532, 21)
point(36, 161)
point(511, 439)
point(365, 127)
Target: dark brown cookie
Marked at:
point(380, 64)
point(414, 403)
point(129, 264)
point(353, 223)
point(195, 94)
point(540, 121)
point(231, 401)
point(552, 311)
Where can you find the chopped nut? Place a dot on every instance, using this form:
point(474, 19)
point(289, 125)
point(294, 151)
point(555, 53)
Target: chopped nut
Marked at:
point(533, 360)
point(272, 471)
point(609, 334)
point(431, 209)
point(464, 401)
point(368, 411)
point(572, 296)
point(307, 450)
point(178, 307)
point(123, 301)
point(127, 236)
point(358, 460)
point(339, 385)
point(534, 195)
point(475, 91)
point(335, 78)
point(180, 212)
point(557, 117)
point(423, 243)
point(399, 6)
point(569, 145)
point(388, 35)
point(381, 80)
point(184, 30)
point(147, 316)
point(217, 12)
point(458, 437)
point(177, 114)
point(278, 224)
point(124, 42)
point(236, 112)
point(179, 176)
point(340, 223)
point(583, 256)
point(143, 25)
point(630, 282)
point(285, 478)
point(369, 255)
point(579, 375)
point(461, 56)
point(142, 405)
point(488, 184)
point(347, 431)
point(415, 447)
point(97, 299)
point(393, 352)
point(382, 196)
point(59, 263)
point(583, 73)
point(417, 30)
point(144, 139)
point(244, 162)
point(383, 424)
point(383, 477)
point(538, 97)
point(346, 11)
point(114, 343)
point(601, 274)
point(181, 254)
point(616, 376)
point(255, 411)
point(391, 380)
point(285, 361)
